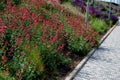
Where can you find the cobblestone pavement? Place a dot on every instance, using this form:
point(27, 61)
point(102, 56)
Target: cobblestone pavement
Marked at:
point(104, 64)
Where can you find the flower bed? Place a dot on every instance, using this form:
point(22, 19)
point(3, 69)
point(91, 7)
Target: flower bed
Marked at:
point(37, 38)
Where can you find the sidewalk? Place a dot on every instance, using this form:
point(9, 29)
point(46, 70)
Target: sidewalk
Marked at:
point(104, 64)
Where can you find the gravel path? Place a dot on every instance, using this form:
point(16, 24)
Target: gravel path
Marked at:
point(104, 64)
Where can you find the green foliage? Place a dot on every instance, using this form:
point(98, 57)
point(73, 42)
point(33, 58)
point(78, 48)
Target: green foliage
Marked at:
point(3, 3)
point(2, 6)
point(78, 45)
point(98, 25)
point(52, 59)
point(17, 2)
point(28, 64)
point(4, 76)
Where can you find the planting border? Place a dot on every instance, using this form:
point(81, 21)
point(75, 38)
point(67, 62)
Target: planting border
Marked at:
point(82, 63)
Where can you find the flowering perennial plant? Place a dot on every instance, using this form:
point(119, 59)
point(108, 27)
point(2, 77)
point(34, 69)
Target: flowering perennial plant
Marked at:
point(38, 38)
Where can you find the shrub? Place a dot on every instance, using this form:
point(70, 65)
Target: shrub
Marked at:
point(78, 45)
point(98, 25)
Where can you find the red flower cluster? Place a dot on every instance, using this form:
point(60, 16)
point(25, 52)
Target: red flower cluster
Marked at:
point(2, 29)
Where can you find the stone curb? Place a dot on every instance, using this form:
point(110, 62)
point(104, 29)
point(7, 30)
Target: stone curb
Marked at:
point(82, 63)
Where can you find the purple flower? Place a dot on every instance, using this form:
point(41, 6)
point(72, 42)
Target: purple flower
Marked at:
point(113, 17)
point(94, 11)
point(79, 3)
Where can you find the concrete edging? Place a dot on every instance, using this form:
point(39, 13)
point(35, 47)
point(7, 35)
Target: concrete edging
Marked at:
point(82, 63)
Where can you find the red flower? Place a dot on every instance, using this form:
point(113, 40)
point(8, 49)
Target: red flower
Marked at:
point(6, 71)
point(33, 15)
point(42, 67)
point(2, 29)
point(26, 66)
point(28, 36)
point(4, 58)
point(68, 53)
point(1, 21)
point(25, 15)
point(20, 74)
point(18, 40)
point(22, 53)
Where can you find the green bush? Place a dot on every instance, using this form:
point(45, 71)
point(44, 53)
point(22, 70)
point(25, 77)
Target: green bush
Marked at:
point(98, 25)
point(78, 45)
